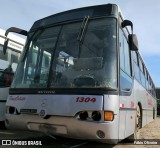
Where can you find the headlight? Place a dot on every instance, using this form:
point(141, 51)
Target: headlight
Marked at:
point(12, 110)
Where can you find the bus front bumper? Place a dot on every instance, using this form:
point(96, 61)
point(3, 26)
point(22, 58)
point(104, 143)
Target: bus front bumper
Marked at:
point(106, 132)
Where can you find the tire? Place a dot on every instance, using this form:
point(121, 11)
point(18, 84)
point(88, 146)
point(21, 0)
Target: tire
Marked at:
point(154, 117)
point(138, 125)
point(2, 125)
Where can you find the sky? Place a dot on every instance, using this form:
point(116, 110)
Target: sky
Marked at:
point(143, 13)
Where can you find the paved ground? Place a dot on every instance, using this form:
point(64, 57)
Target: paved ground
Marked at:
point(150, 131)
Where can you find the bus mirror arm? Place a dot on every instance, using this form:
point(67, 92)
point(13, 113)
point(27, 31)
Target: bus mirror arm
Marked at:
point(5, 46)
point(15, 30)
point(127, 23)
point(132, 38)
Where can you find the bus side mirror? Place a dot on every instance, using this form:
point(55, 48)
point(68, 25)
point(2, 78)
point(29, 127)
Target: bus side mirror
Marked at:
point(15, 30)
point(5, 45)
point(132, 38)
point(133, 42)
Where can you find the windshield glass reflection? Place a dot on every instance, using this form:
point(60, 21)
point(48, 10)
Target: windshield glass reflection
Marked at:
point(57, 59)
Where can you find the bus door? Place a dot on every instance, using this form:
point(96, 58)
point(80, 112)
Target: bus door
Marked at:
point(127, 103)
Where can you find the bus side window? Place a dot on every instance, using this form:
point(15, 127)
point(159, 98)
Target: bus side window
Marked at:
point(136, 67)
point(142, 72)
point(125, 64)
point(146, 79)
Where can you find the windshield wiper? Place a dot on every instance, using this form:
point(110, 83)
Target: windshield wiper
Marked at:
point(110, 88)
point(82, 29)
point(81, 32)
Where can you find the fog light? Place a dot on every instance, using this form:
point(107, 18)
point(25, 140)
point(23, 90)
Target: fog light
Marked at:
point(6, 122)
point(100, 134)
point(108, 116)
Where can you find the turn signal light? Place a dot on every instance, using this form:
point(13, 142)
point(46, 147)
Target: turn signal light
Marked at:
point(108, 116)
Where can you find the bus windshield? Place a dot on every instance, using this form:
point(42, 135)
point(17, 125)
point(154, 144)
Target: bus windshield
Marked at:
point(56, 58)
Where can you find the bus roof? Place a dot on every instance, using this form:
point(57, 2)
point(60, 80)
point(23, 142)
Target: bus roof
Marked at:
point(79, 13)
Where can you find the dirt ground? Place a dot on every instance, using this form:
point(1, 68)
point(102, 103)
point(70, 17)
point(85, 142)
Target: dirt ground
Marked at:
point(149, 136)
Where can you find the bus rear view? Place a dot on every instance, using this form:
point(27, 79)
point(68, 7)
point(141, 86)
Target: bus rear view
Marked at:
point(67, 81)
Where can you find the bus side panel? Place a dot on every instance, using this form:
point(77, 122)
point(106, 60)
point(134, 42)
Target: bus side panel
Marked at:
point(130, 122)
point(150, 105)
point(127, 115)
point(140, 97)
point(146, 102)
point(111, 103)
point(3, 98)
point(122, 124)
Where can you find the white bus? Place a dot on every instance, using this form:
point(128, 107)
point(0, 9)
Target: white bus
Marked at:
point(8, 64)
point(93, 85)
